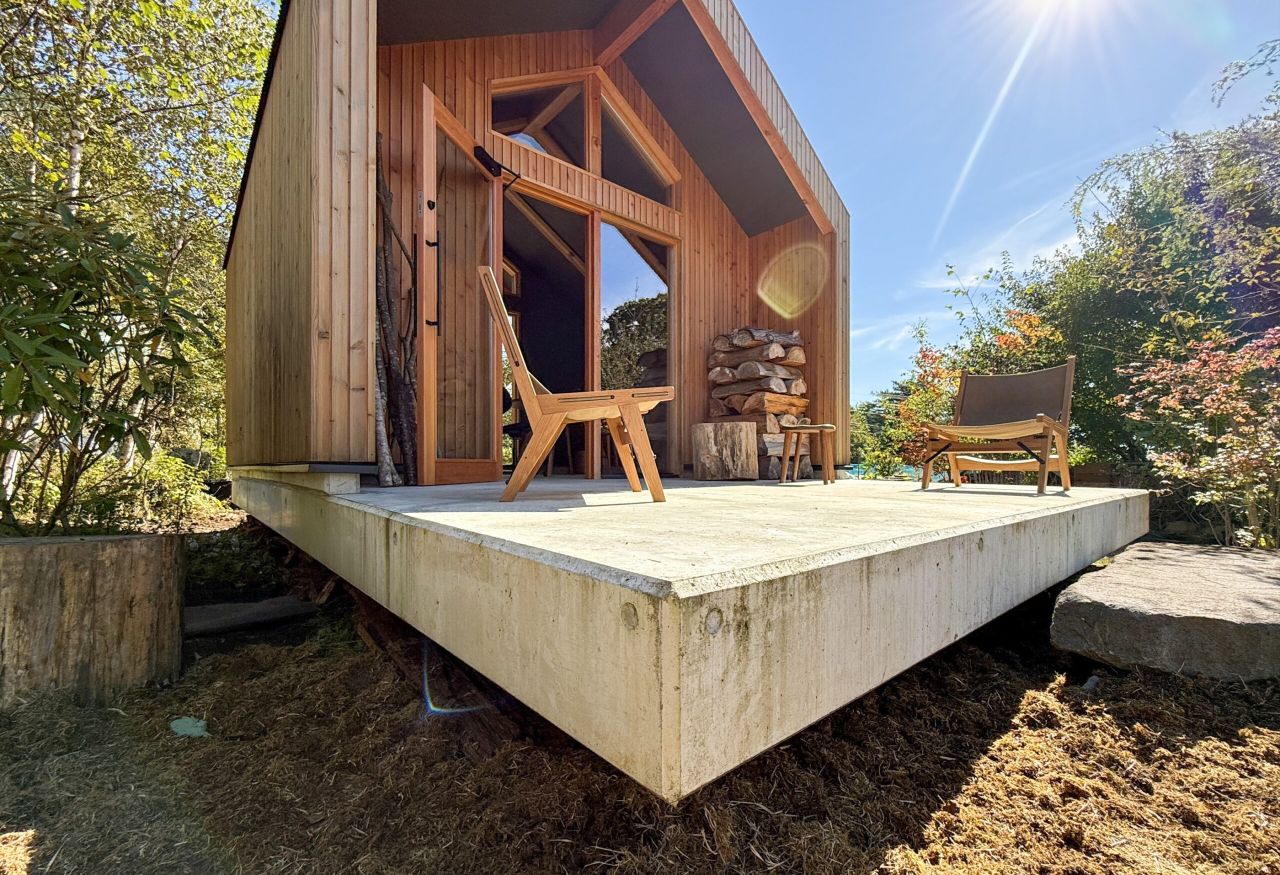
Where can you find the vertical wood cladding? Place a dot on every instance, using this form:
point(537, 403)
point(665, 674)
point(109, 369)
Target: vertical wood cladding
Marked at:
point(300, 270)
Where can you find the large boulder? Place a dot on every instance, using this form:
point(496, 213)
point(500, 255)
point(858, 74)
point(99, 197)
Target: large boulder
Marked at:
point(1206, 611)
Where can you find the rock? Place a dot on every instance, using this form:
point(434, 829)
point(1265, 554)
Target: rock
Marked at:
point(189, 727)
point(1208, 611)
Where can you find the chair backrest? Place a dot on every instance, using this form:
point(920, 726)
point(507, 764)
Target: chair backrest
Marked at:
point(991, 399)
point(527, 385)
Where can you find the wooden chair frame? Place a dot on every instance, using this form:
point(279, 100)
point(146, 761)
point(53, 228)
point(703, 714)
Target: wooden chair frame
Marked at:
point(548, 413)
point(1040, 436)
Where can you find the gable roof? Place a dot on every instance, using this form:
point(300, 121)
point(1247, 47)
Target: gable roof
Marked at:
point(735, 123)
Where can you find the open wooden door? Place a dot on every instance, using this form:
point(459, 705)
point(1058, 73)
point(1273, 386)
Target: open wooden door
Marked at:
point(456, 226)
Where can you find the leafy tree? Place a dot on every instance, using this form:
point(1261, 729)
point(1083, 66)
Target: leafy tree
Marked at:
point(146, 106)
point(862, 437)
point(1169, 305)
point(630, 330)
point(91, 349)
point(1216, 417)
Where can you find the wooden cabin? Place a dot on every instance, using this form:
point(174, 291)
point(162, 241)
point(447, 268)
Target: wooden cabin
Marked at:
point(542, 138)
point(553, 141)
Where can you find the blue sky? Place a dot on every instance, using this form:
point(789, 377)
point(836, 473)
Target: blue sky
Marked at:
point(894, 94)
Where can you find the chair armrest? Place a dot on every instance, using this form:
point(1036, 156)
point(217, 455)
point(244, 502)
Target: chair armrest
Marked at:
point(1021, 428)
point(570, 400)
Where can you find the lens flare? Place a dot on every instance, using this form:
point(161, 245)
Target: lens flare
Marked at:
point(794, 279)
point(429, 707)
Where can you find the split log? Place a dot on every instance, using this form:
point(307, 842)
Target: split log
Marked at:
point(721, 376)
point(745, 338)
point(736, 402)
point(722, 343)
point(768, 384)
point(766, 423)
point(797, 387)
point(794, 357)
point(724, 451)
point(785, 419)
point(756, 370)
point(97, 615)
point(774, 402)
point(766, 353)
point(716, 407)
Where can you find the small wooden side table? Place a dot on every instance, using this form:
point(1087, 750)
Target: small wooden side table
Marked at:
point(791, 435)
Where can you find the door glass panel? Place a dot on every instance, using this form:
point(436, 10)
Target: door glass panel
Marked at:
point(634, 302)
point(465, 410)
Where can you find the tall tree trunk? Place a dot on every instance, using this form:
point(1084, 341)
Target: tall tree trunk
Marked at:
point(396, 390)
point(387, 473)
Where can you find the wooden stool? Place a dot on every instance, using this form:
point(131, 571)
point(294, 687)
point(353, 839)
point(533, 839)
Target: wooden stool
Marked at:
point(791, 435)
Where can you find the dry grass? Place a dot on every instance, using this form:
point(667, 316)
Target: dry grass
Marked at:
point(987, 758)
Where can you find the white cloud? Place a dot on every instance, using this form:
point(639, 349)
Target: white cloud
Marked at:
point(1039, 233)
point(892, 331)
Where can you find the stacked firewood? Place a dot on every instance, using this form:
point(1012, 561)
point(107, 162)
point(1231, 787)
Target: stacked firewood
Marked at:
point(756, 375)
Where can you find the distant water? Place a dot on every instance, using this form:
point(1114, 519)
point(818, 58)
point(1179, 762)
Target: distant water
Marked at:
point(906, 472)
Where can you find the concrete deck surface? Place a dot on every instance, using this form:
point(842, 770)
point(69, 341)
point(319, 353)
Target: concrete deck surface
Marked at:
point(678, 640)
point(710, 535)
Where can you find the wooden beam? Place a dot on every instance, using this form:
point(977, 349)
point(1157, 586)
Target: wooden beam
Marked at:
point(511, 126)
point(625, 24)
point(593, 342)
point(612, 101)
point(547, 231)
point(531, 81)
point(729, 63)
point(638, 244)
point(552, 108)
point(592, 125)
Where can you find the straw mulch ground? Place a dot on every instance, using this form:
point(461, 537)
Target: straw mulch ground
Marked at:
point(989, 757)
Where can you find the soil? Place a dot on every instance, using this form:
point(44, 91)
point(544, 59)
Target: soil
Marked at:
point(996, 755)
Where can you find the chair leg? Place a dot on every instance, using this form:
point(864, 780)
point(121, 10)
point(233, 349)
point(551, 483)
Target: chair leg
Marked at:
point(926, 475)
point(625, 458)
point(1064, 467)
point(828, 457)
point(787, 438)
point(954, 464)
point(634, 422)
point(544, 438)
point(1042, 481)
point(795, 462)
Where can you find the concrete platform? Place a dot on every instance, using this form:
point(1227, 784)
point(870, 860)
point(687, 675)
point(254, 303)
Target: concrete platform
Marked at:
point(678, 640)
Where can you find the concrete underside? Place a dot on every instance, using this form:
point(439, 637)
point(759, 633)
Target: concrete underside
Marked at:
point(678, 640)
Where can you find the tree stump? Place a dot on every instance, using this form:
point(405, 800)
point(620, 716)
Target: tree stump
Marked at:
point(725, 451)
point(97, 615)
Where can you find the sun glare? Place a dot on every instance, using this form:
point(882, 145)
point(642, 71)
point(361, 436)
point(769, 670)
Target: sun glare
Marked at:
point(1065, 19)
point(1048, 26)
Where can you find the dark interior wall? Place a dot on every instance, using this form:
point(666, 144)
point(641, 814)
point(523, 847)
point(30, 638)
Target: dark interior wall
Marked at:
point(552, 297)
point(677, 70)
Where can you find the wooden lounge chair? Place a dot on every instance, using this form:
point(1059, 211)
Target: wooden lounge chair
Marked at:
point(548, 413)
point(1007, 413)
